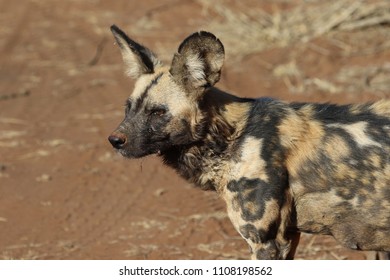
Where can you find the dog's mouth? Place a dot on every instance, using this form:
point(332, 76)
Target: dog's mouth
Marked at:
point(124, 153)
point(130, 153)
point(133, 153)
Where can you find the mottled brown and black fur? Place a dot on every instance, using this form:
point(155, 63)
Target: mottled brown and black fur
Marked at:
point(282, 168)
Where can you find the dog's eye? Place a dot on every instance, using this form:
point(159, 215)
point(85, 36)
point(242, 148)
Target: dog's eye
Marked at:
point(158, 112)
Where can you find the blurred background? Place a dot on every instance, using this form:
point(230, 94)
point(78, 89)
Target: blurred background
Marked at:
point(65, 194)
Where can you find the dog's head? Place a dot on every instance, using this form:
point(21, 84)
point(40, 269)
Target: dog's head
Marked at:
point(164, 109)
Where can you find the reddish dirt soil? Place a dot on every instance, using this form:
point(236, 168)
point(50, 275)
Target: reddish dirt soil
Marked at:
point(65, 194)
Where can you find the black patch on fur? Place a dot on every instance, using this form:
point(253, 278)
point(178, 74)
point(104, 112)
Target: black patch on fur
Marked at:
point(264, 118)
point(195, 38)
point(254, 192)
point(333, 113)
point(249, 231)
point(128, 105)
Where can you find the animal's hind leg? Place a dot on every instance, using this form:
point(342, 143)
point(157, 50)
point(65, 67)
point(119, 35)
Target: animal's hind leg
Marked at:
point(294, 237)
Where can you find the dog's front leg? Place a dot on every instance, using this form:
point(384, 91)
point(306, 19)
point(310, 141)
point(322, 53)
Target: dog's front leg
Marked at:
point(260, 217)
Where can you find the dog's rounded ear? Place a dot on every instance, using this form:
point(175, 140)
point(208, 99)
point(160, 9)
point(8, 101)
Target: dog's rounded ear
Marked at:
point(197, 64)
point(138, 59)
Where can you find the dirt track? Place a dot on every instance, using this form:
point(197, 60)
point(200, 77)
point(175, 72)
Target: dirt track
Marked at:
point(64, 194)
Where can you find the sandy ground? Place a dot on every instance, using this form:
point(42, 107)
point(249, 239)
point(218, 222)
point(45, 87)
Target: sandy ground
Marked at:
point(65, 194)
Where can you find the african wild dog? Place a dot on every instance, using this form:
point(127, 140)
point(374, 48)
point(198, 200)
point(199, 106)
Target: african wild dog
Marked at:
point(282, 168)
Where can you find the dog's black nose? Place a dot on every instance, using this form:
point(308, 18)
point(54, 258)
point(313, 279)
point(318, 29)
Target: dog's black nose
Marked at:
point(117, 140)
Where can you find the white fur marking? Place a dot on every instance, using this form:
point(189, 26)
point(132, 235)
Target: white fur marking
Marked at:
point(133, 67)
point(196, 67)
point(251, 164)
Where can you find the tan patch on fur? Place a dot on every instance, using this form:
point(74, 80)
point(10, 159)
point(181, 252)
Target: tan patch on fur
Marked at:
point(343, 171)
point(356, 109)
point(384, 178)
point(302, 136)
point(237, 115)
point(375, 160)
point(336, 148)
point(233, 209)
point(311, 211)
point(297, 187)
point(291, 130)
point(381, 108)
point(357, 131)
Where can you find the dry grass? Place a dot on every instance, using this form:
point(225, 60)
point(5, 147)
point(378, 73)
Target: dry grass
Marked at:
point(250, 30)
point(353, 79)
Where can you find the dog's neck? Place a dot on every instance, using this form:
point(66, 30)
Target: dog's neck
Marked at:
point(200, 162)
